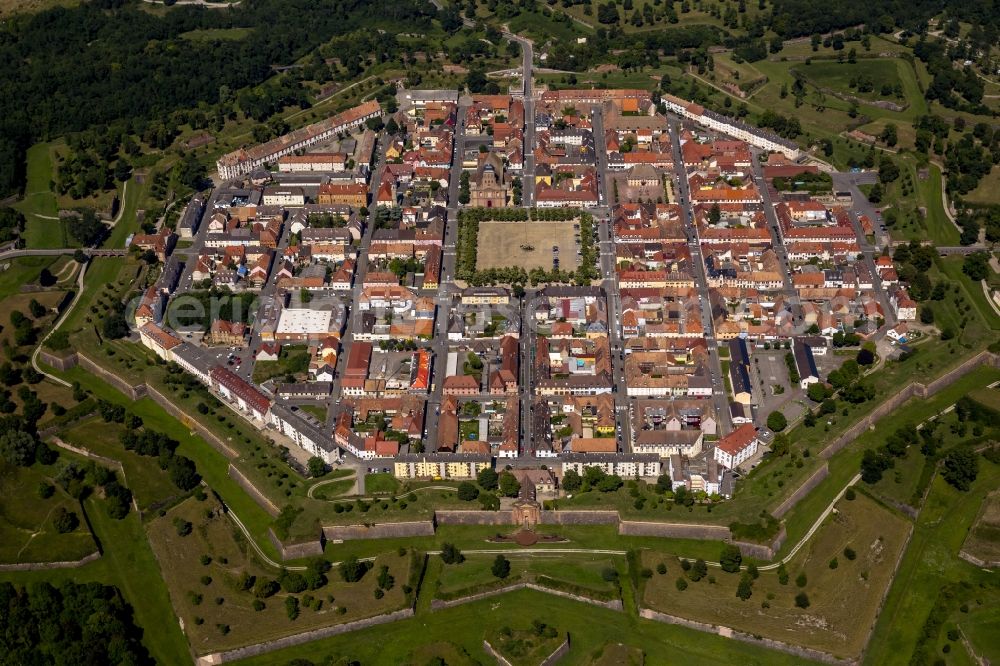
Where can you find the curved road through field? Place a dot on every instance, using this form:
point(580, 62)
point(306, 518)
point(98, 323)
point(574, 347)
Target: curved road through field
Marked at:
point(55, 327)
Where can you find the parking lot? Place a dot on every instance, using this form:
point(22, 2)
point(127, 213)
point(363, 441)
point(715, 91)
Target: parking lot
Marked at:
point(777, 393)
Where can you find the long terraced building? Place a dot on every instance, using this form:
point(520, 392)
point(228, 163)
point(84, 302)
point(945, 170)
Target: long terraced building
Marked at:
point(243, 161)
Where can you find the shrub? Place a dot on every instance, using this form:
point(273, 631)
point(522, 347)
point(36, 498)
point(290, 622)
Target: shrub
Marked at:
point(834, 563)
point(467, 491)
point(292, 607)
point(849, 494)
point(501, 567)
point(379, 593)
point(801, 580)
point(292, 582)
point(451, 554)
point(745, 589)
point(258, 605)
point(730, 558)
point(206, 580)
point(183, 527)
point(352, 569)
point(802, 600)
point(205, 559)
point(661, 568)
point(849, 553)
point(264, 588)
point(698, 571)
point(681, 584)
point(385, 580)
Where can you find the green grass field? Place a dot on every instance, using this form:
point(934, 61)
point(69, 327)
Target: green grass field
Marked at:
point(522, 646)
point(986, 192)
point(929, 564)
point(843, 601)
point(583, 572)
point(26, 530)
point(213, 34)
point(213, 535)
point(380, 483)
point(984, 536)
point(149, 484)
point(837, 76)
point(980, 629)
point(128, 563)
point(590, 629)
point(39, 202)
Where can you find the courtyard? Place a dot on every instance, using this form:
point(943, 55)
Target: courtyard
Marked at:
point(528, 244)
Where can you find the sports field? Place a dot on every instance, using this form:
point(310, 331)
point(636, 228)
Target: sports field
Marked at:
point(527, 245)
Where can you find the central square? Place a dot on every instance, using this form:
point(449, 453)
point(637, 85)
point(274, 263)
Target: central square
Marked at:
point(529, 244)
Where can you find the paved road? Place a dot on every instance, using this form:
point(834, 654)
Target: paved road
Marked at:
point(444, 295)
point(719, 397)
point(605, 238)
point(360, 274)
point(55, 327)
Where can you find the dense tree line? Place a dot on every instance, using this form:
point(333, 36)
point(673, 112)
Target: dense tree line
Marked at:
point(85, 623)
point(118, 65)
point(797, 18)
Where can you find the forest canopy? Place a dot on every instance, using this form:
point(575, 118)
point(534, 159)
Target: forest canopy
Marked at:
point(88, 623)
point(120, 65)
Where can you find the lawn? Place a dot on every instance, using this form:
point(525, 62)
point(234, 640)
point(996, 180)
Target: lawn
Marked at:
point(195, 596)
point(380, 483)
point(984, 537)
point(920, 195)
point(987, 317)
point(581, 574)
point(39, 202)
point(128, 563)
point(20, 302)
point(929, 565)
point(292, 360)
point(102, 282)
point(988, 397)
point(213, 34)
point(334, 489)
point(843, 601)
point(838, 76)
point(590, 629)
point(150, 485)
point(986, 191)
point(26, 530)
point(542, 25)
point(525, 645)
point(447, 653)
point(980, 628)
point(211, 464)
point(15, 273)
point(318, 411)
point(128, 224)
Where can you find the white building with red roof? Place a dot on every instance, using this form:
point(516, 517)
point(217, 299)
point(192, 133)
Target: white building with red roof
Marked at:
point(737, 447)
